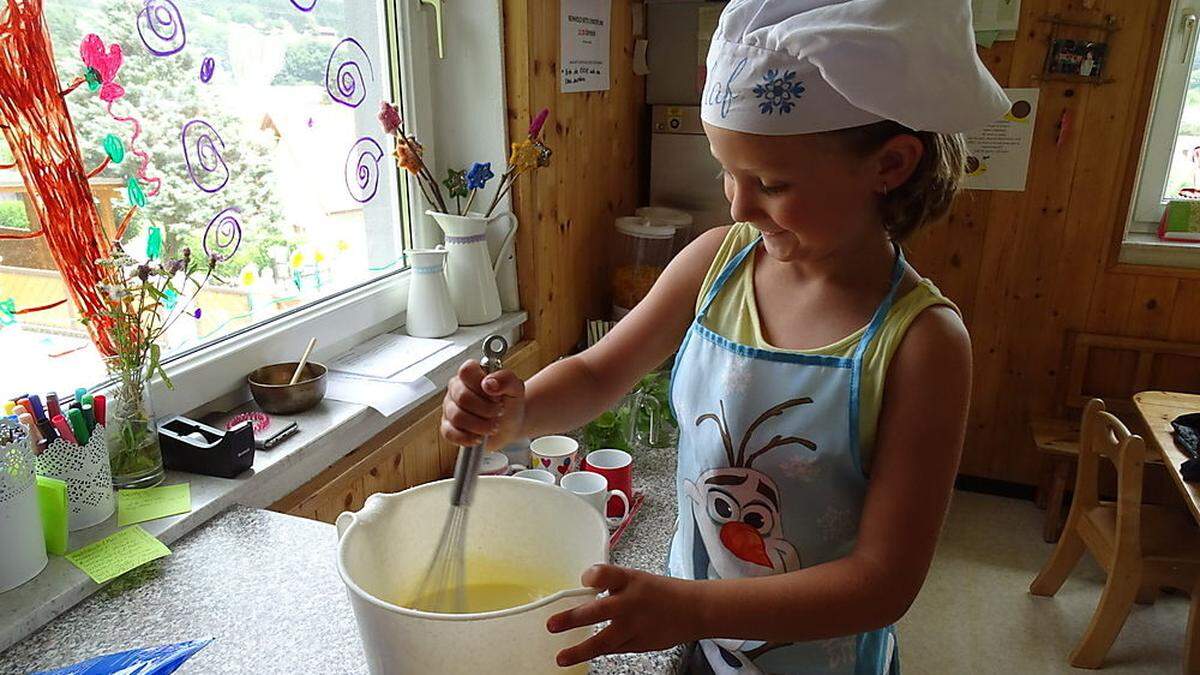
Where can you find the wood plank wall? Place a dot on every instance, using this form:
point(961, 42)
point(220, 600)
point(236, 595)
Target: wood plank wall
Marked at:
point(566, 210)
point(1027, 268)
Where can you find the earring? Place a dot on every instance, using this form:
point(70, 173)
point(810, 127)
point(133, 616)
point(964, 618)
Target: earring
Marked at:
point(885, 189)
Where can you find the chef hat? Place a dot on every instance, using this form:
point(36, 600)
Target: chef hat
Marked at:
point(779, 67)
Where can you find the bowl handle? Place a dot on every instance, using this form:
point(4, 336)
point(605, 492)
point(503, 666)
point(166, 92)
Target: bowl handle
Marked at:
point(370, 507)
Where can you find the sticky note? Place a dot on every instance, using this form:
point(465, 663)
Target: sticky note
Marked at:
point(52, 501)
point(137, 506)
point(118, 553)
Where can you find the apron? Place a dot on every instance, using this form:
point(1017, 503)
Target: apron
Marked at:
point(770, 479)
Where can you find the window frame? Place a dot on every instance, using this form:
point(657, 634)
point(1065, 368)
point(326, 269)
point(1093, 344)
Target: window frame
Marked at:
point(1166, 109)
point(210, 371)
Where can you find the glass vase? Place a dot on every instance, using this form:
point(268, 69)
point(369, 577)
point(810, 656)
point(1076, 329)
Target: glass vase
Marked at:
point(131, 432)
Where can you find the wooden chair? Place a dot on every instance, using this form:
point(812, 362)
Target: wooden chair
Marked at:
point(1142, 547)
point(1111, 368)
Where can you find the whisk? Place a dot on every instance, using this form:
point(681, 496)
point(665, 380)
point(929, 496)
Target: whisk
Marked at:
point(442, 589)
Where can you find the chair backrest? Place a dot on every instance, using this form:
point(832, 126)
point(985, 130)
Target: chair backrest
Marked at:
point(1103, 435)
point(1114, 368)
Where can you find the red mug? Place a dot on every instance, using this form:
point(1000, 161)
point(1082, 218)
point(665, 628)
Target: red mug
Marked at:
point(617, 467)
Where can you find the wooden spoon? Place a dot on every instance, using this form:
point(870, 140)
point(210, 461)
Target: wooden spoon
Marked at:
point(303, 362)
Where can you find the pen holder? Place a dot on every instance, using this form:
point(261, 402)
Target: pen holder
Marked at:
point(88, 475)
point(22, 544)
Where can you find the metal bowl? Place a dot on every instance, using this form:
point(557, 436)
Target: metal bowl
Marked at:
point(271, 391)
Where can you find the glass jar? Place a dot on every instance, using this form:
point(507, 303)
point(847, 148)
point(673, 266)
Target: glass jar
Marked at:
point(131, 433)
point(642, 253)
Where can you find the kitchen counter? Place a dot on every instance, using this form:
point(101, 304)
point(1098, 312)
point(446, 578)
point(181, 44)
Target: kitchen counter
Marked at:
point(266, 587)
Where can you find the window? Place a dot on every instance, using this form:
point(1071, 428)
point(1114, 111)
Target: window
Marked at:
point(261, 112)
point(1171, 154)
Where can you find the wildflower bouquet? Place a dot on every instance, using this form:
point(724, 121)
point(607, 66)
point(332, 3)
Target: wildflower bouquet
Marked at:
point(141, 305)
point(463, 185)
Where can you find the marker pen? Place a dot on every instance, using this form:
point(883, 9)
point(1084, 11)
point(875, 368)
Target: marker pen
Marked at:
point(64, 429)
point(78, 426)
point(100, 408)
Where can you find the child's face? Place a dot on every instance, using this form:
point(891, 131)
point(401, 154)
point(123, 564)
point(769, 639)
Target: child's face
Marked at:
point(807, 194)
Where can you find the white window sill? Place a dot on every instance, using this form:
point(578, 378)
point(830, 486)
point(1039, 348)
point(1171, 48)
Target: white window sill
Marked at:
point(327, 433)
point(1147, 249)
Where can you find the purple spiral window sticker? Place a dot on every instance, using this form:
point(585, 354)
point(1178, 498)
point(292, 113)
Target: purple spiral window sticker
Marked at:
point(362, 169)
point(206, 69)
point(202, 147)
point(223, 235)
point(304, 5)
point(160, 25)
point(343, 73)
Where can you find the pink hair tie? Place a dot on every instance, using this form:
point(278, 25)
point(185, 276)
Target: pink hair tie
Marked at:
point(259, 421)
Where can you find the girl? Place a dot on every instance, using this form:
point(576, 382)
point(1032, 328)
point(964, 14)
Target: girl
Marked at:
point(822, 385)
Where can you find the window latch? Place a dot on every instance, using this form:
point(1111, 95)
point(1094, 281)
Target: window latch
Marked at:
point(437, 11)
point(1189, 34)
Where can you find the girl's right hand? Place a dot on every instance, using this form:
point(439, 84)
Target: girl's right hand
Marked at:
point(479, 405)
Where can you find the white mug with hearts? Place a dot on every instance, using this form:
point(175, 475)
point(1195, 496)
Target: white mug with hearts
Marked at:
point(557, 454)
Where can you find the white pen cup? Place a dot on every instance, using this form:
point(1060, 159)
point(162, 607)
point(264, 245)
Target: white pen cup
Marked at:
point(540, 475)
point(593, 489)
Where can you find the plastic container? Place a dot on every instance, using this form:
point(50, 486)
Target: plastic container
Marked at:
point(642, 253)
point(385, 549)
point(663, 216)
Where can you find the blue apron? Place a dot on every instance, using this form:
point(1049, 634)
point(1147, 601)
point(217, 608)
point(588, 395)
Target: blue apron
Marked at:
point(770, 478)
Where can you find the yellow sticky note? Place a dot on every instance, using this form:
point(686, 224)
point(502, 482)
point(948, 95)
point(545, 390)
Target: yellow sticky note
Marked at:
point(118, 553)
point(137, 506)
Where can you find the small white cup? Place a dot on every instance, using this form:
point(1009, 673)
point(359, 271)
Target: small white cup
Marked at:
point(593, 489)
point(540, 475)
point(557, 454)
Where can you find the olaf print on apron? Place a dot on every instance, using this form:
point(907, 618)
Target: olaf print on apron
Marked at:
point(737, 509)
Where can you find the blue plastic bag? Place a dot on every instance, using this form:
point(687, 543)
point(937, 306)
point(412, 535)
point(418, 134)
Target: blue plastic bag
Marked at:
point(149, 661)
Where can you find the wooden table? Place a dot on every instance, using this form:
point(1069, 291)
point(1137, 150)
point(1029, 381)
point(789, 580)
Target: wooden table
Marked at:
point(1157, 409)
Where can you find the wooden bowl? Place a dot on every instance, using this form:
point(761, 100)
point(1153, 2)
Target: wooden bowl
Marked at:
point(271, 391)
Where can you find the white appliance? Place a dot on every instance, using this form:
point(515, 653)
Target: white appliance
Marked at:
point(683, 173)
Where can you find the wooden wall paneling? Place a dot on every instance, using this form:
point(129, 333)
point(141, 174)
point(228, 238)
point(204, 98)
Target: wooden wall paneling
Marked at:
point(1150, 307)
point(1185, 315)
point(1028, 269)
point(566, 210)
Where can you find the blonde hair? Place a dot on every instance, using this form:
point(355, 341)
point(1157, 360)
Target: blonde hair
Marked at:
point(929, 192)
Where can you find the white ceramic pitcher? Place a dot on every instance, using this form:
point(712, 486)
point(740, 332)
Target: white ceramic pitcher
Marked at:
point(430, 310)
point(470, 271)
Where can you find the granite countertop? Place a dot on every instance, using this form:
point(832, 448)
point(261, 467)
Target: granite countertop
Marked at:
point(266, 587)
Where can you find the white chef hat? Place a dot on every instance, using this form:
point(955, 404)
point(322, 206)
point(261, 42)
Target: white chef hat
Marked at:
point(779, 67)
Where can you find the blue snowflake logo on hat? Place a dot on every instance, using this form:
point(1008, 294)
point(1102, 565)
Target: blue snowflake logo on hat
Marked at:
point(779, 92)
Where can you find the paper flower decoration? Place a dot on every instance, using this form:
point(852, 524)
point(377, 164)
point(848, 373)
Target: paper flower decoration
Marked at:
point(407, 158)
point(535, 127)
point(389, 117)
point(524, 157)
point(479, 175)
point(456, 183)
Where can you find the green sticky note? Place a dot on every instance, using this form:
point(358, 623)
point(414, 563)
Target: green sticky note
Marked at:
point(52, 501)
point(137, 506)
point(117, 554)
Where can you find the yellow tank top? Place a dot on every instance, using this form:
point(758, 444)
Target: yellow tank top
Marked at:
point(734, 315)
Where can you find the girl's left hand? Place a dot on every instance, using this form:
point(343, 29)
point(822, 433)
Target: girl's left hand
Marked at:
point(648, 613)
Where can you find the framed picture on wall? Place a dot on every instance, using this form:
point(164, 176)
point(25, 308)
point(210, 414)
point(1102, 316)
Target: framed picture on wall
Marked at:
point(1077, 57)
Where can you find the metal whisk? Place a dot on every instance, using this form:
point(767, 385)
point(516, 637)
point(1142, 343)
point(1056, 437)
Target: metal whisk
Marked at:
point(442, 588)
